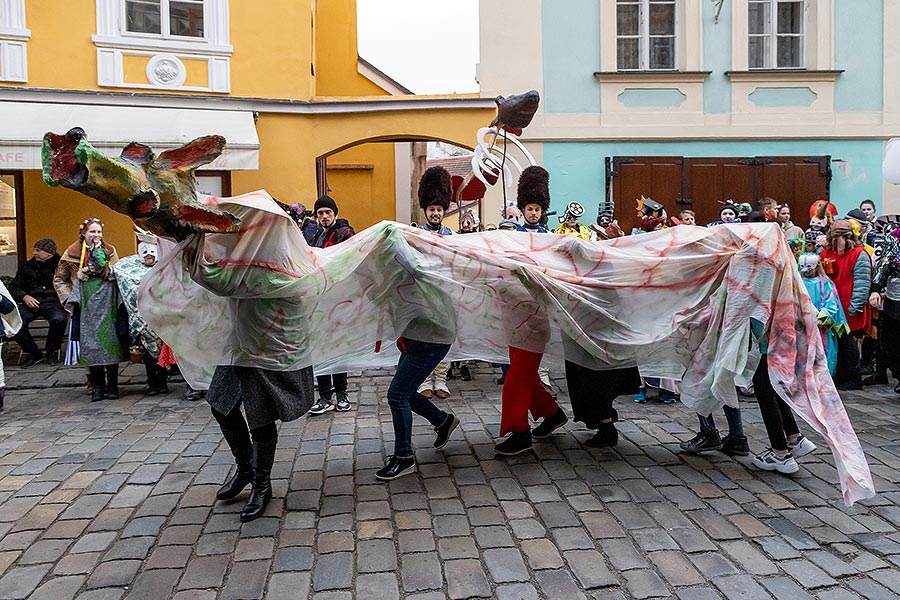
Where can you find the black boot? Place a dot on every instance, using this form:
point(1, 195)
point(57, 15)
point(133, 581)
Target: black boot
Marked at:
point(2, 394)
point(242, 449)
point(98, 380)
point(112, 382)
point(263, 457)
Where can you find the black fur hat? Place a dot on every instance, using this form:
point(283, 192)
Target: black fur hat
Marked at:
point(435, 188)
point(534, 188)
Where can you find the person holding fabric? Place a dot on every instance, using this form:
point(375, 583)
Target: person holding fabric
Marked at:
point(427, 326)
point(266, 396)
point(435, 189)
point(130, 271)
point(728, 213)
point(523, 391)
point(331, 230)
point(10, 323)
point(824, 296)
point(787, 443)
point(849, 266)
point(85, 283)
point(32, 289)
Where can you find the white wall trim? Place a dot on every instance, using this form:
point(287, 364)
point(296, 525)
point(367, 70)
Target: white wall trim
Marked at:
point(13, 61)
point(111, 71)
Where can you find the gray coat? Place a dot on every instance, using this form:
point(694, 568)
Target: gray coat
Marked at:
point(267, 395)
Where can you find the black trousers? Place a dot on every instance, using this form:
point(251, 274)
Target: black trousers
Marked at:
point(889, 336)
point(234, 421)
point(328, 384)
point(847, 370)
point(111, 378)
point(57, 318)
point(592, 392)
point(776, 414)
point(157, 376)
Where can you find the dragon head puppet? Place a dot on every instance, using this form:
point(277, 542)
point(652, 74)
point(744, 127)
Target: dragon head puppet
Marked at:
point(158, 192)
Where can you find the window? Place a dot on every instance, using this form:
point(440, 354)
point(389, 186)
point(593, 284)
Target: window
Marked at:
point(777, 30)
point(645, 35)
point(165, 18)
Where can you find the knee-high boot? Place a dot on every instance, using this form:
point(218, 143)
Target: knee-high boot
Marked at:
point(239, 441)
point(263, 458)
point(112, 381)
point(98, 380)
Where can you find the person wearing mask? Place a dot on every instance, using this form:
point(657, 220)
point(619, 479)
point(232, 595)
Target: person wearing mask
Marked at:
point(32, 289)
point(850, 268)
point(130, 271)
point(331, 230)
point(85, 283)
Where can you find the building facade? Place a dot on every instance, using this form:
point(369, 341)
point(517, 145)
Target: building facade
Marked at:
point(693, 102)
point(301, 112)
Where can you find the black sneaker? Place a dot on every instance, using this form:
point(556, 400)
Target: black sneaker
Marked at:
point(516, 442)
point(321, 407)
point(702, 442)
point(734, 445)
point(465, 373)
point(550, 424)
point(342, 403)
point(53, 359)
point(442, 432)
point(876, 379)
point(396, 467)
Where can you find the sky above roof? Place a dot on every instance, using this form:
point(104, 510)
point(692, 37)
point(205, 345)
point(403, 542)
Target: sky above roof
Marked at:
point(428, 46)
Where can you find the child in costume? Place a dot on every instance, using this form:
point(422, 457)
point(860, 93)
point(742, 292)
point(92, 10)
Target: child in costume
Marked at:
point(570, 224)
point(832, 321)
point(523, 390)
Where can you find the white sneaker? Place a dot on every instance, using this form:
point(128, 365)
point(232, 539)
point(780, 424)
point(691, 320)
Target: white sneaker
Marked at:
point(321, 407)
point(801, 446)
point(770, 461)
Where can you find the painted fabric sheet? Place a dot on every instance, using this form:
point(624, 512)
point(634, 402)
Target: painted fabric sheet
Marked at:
point(677, 303)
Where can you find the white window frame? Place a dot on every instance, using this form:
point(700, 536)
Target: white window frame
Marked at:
point(111, 31)
point(164, 24)
point(644, 39)
point(13, 41)
point(773, 35)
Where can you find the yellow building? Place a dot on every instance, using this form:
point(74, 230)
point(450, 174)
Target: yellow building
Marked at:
point(302, 113)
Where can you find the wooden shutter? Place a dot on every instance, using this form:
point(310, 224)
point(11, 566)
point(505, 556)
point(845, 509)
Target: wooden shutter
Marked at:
point(657, 177)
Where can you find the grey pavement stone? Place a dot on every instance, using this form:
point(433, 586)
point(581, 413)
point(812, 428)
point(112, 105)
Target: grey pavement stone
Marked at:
point(785, 588)
point(246, 580)
point(741, 587)
point(153, 584)
point(421, 572)
point(205, 572)
point(59, 588)
point(644, 583)
point(20, 582)
point(114, 573)
point(505, 565)
point(559, 584)
point(517, 591)
point(466, 579)
point(333, 571)
point(590, 569)
point(288, 586)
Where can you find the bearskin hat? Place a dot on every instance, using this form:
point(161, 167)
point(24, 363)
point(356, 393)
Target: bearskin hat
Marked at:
point(534, 188)
point(435, 188)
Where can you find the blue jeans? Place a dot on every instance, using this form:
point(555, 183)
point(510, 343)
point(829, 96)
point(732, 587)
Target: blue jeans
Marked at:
point(404, 399)
point(735, 423)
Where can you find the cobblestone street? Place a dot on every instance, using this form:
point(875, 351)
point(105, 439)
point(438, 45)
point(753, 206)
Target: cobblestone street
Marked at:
point(116, 499)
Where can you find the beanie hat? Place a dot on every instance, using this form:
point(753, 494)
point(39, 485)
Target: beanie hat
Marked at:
point(534, 188)
point(729, 205)
point(435, 188)
point(47, 245)
point(325, 202)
